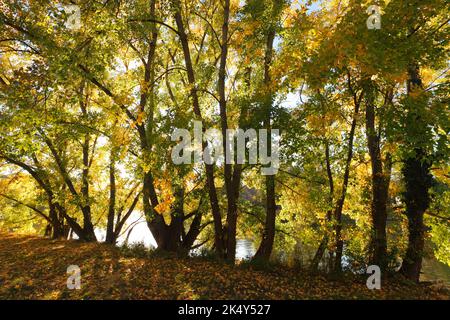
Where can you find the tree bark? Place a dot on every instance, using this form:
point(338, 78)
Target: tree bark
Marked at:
point(85, 198)
point(380, 186)
point(265, 249)
point(219, 243)
point(166, 237)
point(57, 227)
point(231, 180)
point(110, 234)
point(340, 203)
point(323, 244)
point(418, 179)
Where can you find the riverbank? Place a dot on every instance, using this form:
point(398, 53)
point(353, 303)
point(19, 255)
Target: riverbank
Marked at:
point(35, 268)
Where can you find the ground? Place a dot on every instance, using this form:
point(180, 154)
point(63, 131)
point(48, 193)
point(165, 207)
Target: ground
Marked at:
point(35, 268)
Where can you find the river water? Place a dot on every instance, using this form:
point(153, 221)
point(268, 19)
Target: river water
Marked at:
point(433, 270)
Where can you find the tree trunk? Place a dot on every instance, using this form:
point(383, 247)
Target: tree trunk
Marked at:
point(265, 249)
point(340, 203)
point(86, 209)
point(166, 237)
point(57, 227)
point(219, 242)
point(194, 230)
point(41, 178)
point(85, 198)
point(417, 177)
point(323, 244)
point(266, 246)
point(231, 184)
point(380, 187)
point(110, 234)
